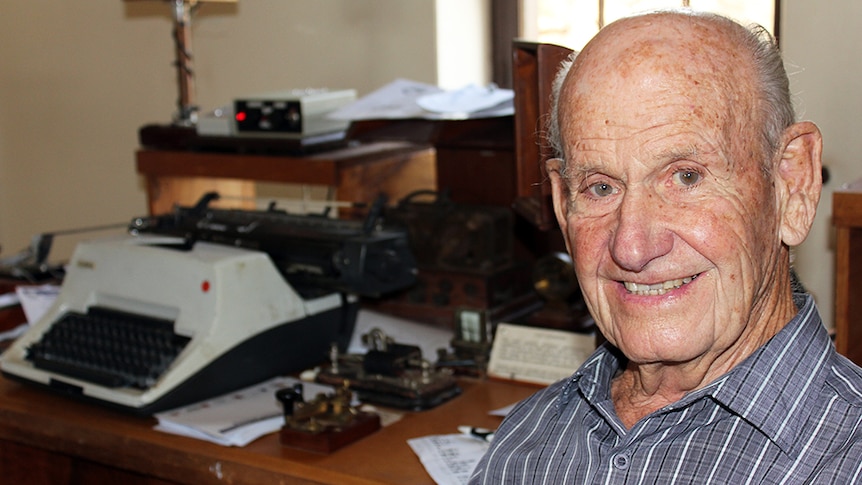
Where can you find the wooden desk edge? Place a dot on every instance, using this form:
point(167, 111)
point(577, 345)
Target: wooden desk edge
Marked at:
point(95, 434)
point(38, 419)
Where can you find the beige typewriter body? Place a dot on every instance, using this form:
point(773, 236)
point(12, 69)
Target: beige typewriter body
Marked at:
point(216, 295)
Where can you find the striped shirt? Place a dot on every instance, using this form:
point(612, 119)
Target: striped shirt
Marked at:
point(790, 413)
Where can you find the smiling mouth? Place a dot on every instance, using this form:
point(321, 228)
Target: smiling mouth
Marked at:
point(658, 288)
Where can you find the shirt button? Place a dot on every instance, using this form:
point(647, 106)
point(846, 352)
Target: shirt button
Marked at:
point(620, 461)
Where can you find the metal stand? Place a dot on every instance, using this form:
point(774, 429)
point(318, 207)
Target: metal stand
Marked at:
point(187, 110)
point(187, 114)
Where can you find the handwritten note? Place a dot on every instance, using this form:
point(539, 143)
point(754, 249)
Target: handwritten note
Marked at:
point(449, 458)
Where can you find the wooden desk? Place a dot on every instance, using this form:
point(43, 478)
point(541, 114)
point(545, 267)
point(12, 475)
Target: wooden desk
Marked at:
point(48, 439)
point(847, 219)
point(359, 173)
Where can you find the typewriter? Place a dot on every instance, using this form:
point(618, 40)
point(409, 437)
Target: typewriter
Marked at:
point(202, 301)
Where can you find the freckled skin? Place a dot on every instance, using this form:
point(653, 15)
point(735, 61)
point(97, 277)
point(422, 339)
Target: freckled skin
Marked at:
point(663, 180)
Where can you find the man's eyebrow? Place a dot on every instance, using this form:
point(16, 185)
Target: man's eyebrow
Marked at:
point(678, 153)
point(577, 167)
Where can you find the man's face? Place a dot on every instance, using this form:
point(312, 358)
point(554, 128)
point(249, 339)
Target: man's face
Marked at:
point(670, 220)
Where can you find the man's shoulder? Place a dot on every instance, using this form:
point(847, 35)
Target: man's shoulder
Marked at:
point(845, 379)
point(839, 423)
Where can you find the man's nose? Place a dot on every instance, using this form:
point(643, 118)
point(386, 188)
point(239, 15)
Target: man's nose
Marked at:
point(641, 234)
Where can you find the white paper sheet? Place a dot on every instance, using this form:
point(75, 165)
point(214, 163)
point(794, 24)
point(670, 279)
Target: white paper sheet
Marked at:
point(36, 300)
point(396, 100)
point(537, 355)
point(449, 458)
point(236, 418)
point(469, 99)
point(406, 99)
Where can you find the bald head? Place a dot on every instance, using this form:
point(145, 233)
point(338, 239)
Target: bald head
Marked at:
point(679, 57)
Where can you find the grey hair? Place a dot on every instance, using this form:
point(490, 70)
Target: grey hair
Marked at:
point(775, 107)
point(552, 131)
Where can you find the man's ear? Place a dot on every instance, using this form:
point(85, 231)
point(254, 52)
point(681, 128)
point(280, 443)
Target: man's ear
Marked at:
point(559, 195)
point(800, 179)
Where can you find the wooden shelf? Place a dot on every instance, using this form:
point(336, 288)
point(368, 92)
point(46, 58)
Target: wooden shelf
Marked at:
point(359, 173)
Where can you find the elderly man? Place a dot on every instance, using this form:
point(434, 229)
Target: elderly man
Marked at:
point(682, 183)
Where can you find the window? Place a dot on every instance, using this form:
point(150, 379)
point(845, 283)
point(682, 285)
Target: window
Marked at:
point(571, 23)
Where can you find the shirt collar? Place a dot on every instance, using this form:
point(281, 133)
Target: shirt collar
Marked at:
point(772, 389)
point(593, 378)
point(775, 388)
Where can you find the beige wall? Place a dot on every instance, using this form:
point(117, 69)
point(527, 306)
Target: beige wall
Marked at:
point(77, 80)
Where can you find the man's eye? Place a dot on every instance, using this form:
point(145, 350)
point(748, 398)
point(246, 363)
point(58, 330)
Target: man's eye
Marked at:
point(601, 189)
point(687, 178)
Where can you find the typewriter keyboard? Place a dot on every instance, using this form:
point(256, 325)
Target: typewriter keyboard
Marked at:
point(108, 347)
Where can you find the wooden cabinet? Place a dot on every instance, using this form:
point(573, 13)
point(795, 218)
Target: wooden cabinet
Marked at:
point(535, 66)
point(847, 219)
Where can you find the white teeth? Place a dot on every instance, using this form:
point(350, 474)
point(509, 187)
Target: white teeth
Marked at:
point(658, 288)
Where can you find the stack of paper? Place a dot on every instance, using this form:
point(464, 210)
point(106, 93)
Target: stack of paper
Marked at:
point(404, 99)
point(237, 418)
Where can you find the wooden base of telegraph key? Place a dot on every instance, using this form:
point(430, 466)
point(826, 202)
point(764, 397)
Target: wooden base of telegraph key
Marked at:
point(331, 438)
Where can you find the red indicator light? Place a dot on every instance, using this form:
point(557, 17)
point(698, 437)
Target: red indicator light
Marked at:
point(240, 116)
point(205, 286)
